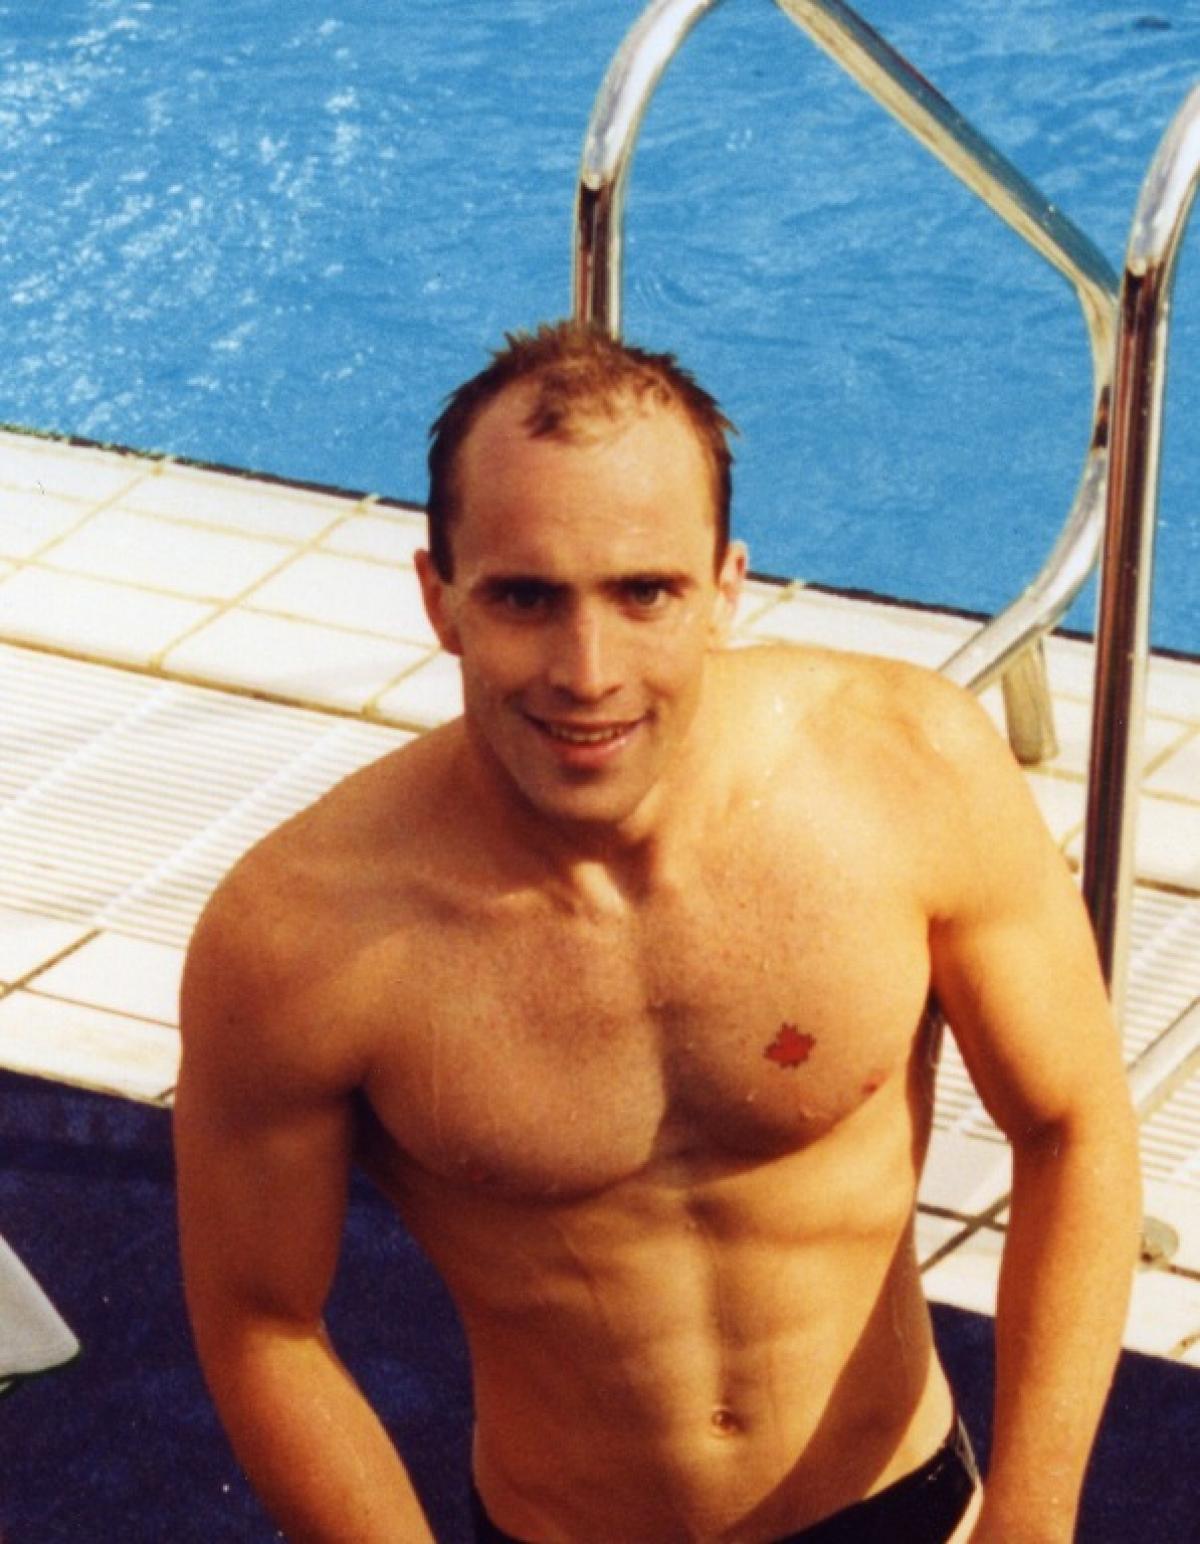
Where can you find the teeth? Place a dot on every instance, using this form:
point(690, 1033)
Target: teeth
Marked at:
point(583, 736)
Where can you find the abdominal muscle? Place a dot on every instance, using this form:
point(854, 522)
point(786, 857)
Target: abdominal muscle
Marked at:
point(728, 1357)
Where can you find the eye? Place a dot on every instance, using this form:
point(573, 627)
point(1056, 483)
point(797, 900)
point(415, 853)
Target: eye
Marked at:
point(646, 594)
point(522, 597)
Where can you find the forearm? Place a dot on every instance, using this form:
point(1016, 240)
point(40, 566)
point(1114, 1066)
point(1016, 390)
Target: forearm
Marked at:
point(1064, 1292)
point(313, 1448)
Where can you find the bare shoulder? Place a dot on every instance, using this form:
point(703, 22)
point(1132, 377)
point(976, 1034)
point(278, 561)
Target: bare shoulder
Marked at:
point(278, 941)
point(920, 753)
point(850, 702)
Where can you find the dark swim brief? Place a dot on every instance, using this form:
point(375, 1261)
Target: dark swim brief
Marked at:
point(922, 1507)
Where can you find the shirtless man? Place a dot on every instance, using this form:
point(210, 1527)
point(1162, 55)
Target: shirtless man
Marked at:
point(618, 987)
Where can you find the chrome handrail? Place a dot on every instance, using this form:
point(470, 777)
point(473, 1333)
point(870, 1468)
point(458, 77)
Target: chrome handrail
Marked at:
point(1122, 637)
point(599, 240)
point(629, 83)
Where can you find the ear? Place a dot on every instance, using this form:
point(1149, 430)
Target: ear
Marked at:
point(730, 579)
point(439, 603)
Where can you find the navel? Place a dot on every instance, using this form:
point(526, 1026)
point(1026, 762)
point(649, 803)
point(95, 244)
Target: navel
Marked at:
point(725, 1422)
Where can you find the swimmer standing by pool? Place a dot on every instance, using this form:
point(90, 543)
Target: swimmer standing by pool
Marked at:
point(620, 986)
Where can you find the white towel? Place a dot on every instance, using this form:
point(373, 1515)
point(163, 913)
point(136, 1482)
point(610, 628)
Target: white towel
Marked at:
point(33, 1336)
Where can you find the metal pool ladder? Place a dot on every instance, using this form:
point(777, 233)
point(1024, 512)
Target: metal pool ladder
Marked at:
point(1009, 646)
point(1122, 632)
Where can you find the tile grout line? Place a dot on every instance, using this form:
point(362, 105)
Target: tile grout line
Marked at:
point(367, 505)
point(34, 559)
point(335, 627)
point(176, 677)
point(83, 1002)
point(1153, 763)
point(22, 983)
point(971, 1229)
point(220, 607)
point(298, 498)
point(137, 586)
point(769, 604)
point(1181, 1347)
point(943, 1213)
point(236, 602)
point(371, 709)
point(160, 469)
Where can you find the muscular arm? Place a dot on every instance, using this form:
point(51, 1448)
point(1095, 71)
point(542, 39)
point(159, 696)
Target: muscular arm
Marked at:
point(1016, 972)
point(263, 1132)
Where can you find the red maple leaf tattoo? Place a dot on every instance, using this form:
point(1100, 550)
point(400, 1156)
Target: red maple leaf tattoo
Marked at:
point(790, 1048)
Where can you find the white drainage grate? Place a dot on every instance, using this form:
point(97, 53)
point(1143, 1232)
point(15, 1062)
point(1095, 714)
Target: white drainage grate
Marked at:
point(123, 800)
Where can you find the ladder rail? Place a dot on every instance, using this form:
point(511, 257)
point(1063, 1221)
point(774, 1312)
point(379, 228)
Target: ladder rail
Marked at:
point(629, 83)
point(918, 105)
point(598, 247)
point(1123, 630)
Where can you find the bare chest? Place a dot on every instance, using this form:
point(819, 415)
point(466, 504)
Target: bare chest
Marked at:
point(549, 1054)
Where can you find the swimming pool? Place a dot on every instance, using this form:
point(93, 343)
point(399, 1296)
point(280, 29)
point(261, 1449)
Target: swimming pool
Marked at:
point(277, 239)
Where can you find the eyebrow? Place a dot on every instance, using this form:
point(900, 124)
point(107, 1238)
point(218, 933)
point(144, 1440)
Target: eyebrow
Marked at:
point(669, 578)
point(672, 577)
point(497, 584)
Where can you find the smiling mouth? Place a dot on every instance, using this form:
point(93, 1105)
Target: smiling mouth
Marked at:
point(584, 734)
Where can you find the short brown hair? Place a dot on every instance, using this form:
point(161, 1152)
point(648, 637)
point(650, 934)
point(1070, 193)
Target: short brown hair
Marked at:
point(575, 371)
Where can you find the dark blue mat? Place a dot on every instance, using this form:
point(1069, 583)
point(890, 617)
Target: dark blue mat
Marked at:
point(123, 1444)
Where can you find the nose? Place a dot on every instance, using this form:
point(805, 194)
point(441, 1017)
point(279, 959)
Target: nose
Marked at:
point(584, 662)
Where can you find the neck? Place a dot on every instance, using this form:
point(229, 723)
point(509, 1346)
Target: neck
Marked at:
point(606, 863)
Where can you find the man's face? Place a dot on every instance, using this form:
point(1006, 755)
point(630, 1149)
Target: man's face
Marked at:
point(583, 603)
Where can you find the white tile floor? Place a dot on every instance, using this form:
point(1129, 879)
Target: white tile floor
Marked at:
point(88, 1047)
point(103, 620)
point(130, 976)
point(292, 660)
point(269, 639)
point(247, 508)
point(28, 942)
point(140, 550)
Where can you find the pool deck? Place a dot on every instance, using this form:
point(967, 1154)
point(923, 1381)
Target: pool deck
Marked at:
point(187, 656)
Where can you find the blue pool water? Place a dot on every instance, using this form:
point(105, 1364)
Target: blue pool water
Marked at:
point(275, 235)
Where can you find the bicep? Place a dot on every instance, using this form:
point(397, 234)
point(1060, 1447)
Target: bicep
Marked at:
point(262, 1155)
point(1014, 962)
point(1025, 1000)
point(261, 1204)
